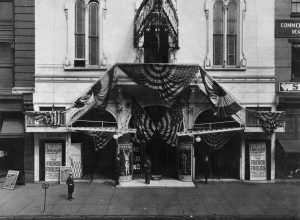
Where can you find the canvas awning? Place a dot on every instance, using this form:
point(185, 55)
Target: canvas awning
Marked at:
point(290, 146)
point(12, 128)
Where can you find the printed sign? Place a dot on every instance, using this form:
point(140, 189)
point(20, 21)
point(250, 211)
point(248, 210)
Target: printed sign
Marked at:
point(258, 162)
point(289, 87)
point(75, 160)
point(11, 179)
point(64, 174)
point(53, 159)
point(287, 28)
point(126, 159)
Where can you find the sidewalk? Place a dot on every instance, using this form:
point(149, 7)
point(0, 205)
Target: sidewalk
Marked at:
point(211, 201)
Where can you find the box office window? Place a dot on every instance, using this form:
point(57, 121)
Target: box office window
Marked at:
point(296, 61)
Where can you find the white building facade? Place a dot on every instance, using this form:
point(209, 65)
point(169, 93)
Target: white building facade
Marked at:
point(78, 41)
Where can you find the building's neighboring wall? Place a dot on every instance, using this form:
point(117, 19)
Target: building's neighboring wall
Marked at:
point(24, 43)
point(51, 40)
point(283, 49)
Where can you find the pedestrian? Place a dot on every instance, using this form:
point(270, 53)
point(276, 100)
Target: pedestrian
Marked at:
point(117, 169)
point(70, 183)
point(206, 167)
point(147, 171)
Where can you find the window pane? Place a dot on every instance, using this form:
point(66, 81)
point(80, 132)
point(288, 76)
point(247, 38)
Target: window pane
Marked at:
point(6, 10)
point(218, 18)
point(6, 54)
point(93, 49)
point(232, 19)
point(93, 19)
point(218, 49)
point(294, 9)
point(80, 17)
point(296, 60)
point(231, 50)
point(80, 48)
point(298, 7)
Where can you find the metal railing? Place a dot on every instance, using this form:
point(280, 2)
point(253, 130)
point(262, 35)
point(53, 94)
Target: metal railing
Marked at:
point(92, 123)
point(216, 125)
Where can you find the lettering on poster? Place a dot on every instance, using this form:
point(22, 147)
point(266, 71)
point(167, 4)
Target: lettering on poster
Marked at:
point(53, 159)
point(258, 163)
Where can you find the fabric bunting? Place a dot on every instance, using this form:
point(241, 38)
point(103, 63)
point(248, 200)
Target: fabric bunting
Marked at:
point(168, 80)
point(217, 140)
point(100, 139)
point(224, 103)
point(167, 126)
point(53, 118)
point(270, 120)
point(98, 94)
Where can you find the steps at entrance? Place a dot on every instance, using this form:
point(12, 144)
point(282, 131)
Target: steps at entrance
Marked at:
point(165, 183)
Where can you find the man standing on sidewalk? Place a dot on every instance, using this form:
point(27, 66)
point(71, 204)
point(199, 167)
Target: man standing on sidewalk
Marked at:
point(117, 169)
point(147, 171)
point(70, 183)
point(206, 167)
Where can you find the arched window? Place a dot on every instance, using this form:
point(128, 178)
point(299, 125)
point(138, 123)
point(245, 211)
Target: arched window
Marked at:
point(231, 34)
point(79, 30)
point(218, 32)
point(93, 33)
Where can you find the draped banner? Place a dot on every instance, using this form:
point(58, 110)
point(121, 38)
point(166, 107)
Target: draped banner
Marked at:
point(98, 93)
point(167, 126)
point(217, 140)
point(224, 102)
point(168, 80)
point(270, 120)
point(53, 118)
point(97, 96)
point(100, 139)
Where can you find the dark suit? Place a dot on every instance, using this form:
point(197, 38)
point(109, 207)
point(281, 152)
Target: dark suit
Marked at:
point(147, 171)
point(206, 167)
point(117, 170)
point(70, 183)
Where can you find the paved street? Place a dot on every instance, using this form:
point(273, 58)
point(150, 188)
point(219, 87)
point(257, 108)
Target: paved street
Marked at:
point(215, 200)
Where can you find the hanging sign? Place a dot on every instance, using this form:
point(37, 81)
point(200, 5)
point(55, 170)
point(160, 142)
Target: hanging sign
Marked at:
point(11, 179)
point(287, 28)
point(289, 86)
point(258, 162)
point(53, 159)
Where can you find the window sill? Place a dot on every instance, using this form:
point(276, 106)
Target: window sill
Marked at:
point(295, 14)
point(89, 68)
point(217, 68)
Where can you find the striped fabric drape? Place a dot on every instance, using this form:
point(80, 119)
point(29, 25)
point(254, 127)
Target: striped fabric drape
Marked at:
point(224, 103)
point(168, 79)
point(53, 118)
point(166, 127)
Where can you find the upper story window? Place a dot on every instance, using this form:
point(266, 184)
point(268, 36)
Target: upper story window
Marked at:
point(295, 6)
point(225, 23)
point(224, 18)
point(87, 27)
point(296, 62)
point(6, 10)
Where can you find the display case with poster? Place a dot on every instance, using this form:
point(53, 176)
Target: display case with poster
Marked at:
point(184, 159)
point(126, 161)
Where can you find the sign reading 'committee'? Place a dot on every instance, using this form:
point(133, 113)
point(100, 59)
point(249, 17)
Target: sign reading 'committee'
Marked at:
point(287, 28)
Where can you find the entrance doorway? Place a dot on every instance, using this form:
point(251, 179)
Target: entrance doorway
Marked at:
point(163, 158)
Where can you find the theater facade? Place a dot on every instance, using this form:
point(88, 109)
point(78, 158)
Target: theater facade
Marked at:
point(163, 79)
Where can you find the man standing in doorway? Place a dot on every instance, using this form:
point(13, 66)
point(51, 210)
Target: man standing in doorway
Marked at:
point(206, 167)
point(117, 169)
point(147, 171)
point(70, 183)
